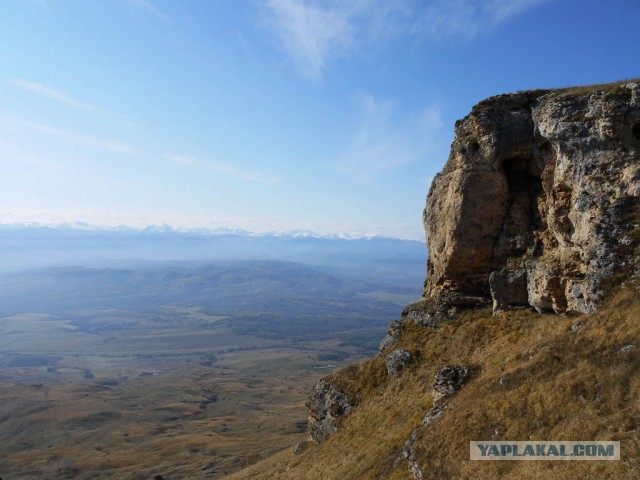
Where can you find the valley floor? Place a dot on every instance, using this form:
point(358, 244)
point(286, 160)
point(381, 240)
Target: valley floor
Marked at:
point(149, 397)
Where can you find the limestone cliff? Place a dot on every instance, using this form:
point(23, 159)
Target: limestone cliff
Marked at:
point(537, 205)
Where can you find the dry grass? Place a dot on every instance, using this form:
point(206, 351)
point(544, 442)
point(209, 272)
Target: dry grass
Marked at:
point(139, 399)
point(556, 385)
point(155, 425)
point(608, 87)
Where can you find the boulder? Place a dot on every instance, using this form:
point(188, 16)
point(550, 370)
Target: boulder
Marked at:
point(449, 380)
point(326, 405)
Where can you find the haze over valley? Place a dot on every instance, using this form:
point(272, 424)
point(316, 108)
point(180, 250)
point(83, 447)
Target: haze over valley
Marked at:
point(151, 366)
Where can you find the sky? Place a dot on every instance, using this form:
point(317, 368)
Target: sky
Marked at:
point(269, 115)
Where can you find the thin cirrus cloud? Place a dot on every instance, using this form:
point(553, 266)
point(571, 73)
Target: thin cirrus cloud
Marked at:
point(221, 167)
point(313, 32)
point(387, 140)
point(445, 19)
point(51, 93)
point(150, 8)
point(15, 153)
point(54, 94)
point(73, 137)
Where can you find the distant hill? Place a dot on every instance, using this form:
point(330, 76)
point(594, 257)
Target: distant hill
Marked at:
point(27, 247)
point(269, 298)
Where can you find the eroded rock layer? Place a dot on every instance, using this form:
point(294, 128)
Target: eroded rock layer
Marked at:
point(538, 203)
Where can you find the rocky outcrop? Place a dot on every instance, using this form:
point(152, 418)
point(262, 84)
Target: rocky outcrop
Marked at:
point(449, 380)
point(425, 313)
point(538, 203)
point(326, 405)
point(391, 338)
point(397, 360)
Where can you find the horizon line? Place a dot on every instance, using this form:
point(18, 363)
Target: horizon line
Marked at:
point(210, 231)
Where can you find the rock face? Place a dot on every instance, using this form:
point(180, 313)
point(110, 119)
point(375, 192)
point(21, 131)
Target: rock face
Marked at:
point(326, 404)
point(508, 289)
point(538, 204)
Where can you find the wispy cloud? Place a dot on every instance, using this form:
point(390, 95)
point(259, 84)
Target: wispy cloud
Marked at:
point(73, 137)
point(14, 153)
point(313, 32)
point(50, 93)
point(221, 167)
point(501, 10)
point(151, 8)
point(62, 97)
point(310, 33)
point(387, 140)
point(468, 18)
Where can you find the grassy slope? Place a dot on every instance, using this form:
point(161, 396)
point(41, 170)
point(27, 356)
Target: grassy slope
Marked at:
point(558, 385)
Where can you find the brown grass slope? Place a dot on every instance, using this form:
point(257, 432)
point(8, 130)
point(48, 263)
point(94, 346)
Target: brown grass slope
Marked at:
point(533, 377)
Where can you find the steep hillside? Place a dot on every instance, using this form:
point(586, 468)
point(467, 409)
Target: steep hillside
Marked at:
point(537, 213)
point(531, 376)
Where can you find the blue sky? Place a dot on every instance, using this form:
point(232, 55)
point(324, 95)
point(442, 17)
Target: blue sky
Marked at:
point(269, 115)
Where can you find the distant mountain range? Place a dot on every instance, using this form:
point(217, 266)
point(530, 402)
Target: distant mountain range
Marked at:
point(165, 228)
point(34, 246)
